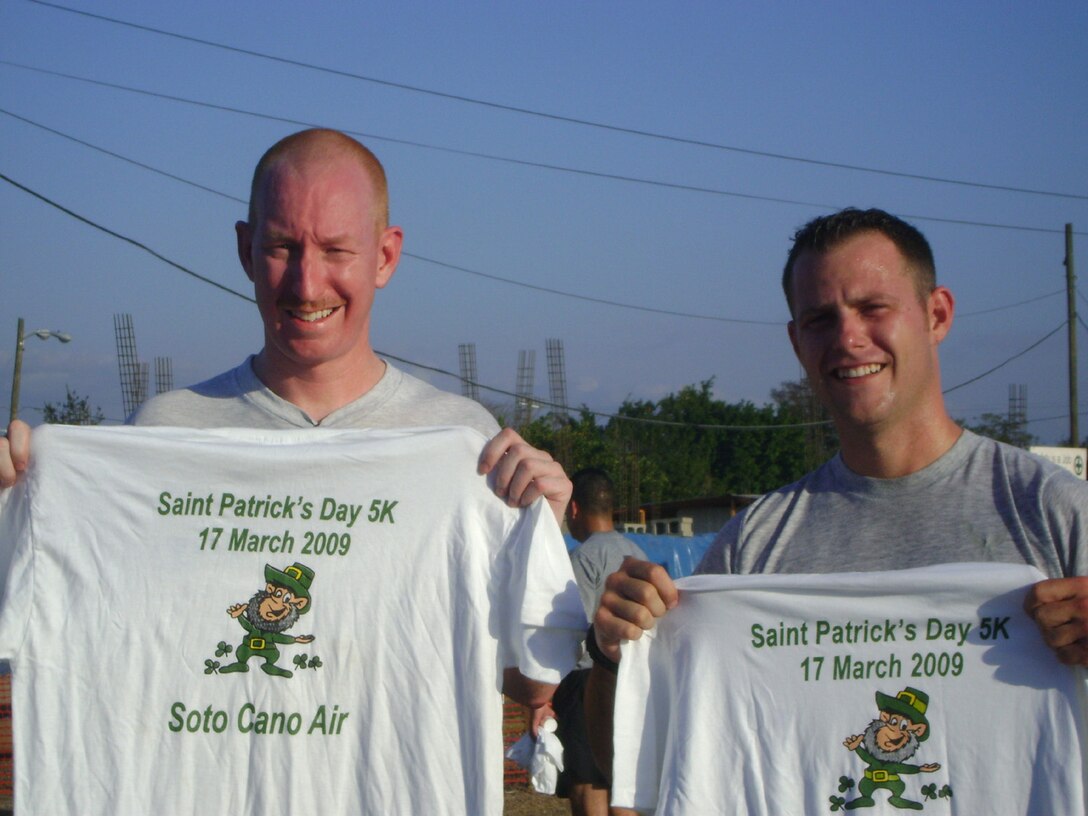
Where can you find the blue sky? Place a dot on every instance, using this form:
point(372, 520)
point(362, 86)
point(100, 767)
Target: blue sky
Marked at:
point(763, 104)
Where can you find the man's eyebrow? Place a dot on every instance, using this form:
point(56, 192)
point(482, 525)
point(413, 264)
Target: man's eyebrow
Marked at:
point(818, 309)
point(342, 238)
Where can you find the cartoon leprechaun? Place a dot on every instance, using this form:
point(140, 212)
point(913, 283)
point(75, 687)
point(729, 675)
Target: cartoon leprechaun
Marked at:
point(271, 612)
point(888, 743)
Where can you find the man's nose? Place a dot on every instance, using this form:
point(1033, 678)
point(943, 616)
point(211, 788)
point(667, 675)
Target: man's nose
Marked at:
point(306, 274)
point(851, 332)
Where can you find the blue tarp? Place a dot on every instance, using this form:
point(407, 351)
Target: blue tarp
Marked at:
point(678, 554)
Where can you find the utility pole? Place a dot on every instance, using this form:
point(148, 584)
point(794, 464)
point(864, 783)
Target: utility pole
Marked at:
point(16, 373)
point(1071, 299)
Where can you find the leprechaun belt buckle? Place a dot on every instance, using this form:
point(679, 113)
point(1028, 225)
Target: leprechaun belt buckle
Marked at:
point(881, 775)
point(257, 644)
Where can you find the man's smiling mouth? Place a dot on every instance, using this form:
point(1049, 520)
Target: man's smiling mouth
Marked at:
point(310, 316)
point(859, 371)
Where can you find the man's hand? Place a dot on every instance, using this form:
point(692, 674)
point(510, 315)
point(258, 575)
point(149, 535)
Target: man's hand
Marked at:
point(15, 452)
point(635, 596)
point(1060, 608)
point(538, 716)
point(523, 473)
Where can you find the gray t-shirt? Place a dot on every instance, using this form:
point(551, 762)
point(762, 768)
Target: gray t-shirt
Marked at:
point(238, 399)
point(595, 559)
point(981, 501)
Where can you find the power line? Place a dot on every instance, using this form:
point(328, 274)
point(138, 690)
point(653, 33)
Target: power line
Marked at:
point(203, 279)
point(565, 408)
point(509, 281)
point(504, 159)
point(1011, 305)
point(1047, 336)
point(125, 238)
point(558, 117)
point(561, 293)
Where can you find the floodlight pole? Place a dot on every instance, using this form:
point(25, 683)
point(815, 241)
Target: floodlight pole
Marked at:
point(16, 376)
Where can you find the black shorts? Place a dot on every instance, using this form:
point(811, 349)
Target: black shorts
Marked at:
point(570, 715)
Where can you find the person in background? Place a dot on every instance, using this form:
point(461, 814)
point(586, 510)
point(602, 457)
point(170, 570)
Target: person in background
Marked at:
point(601, 552)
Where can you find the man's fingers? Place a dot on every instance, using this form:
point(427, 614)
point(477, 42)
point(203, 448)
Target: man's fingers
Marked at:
point(635, 596)
point(646, 582)
point(1053, 590)
point(14, 452)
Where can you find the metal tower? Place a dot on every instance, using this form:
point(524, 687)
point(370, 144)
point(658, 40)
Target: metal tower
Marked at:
point(523, 404)
point(1018, 405)
point(133, 383)
point(557, 378)
point(164, 375)
point(469, 387)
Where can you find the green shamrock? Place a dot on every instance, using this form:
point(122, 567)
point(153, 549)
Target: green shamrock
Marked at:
point(946, 792)
point(837, 803)
point(315, 662)
point(845, 783)
point(300, 661)
point(211, 666)
point(223, 649)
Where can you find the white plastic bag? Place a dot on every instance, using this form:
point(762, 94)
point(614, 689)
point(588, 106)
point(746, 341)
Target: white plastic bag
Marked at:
point(542, 757)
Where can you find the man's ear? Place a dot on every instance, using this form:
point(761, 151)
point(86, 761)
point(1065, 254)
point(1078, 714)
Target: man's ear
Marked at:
point(389, 246)
point(244, 238)
point(300, 603)
point(941, 307)
point(918, 729)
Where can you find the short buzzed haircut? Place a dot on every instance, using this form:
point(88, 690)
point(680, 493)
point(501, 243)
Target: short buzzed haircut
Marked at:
point(593, 491)
point(828, 231)
point(322, 143)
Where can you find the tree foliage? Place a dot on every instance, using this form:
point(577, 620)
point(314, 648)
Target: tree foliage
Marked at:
point(690, 444)
point(1003, 428)
point(75, 410)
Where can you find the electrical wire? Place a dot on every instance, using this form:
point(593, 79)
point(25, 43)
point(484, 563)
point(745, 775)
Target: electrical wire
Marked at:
point(504, 159)
point(492, 389)
point(1047, 336)
point(557, 117)
point(510, 281)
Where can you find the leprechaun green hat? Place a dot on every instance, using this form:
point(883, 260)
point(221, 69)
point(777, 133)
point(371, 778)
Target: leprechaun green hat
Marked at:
point(296, 578)
point(910, 703)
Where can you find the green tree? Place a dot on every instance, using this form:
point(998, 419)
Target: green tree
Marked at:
point(75, 410)
point(798, 404)
point(1002, 428)
point(689, 444)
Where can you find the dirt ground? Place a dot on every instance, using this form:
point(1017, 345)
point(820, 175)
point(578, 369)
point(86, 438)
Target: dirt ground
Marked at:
point(527, 802)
